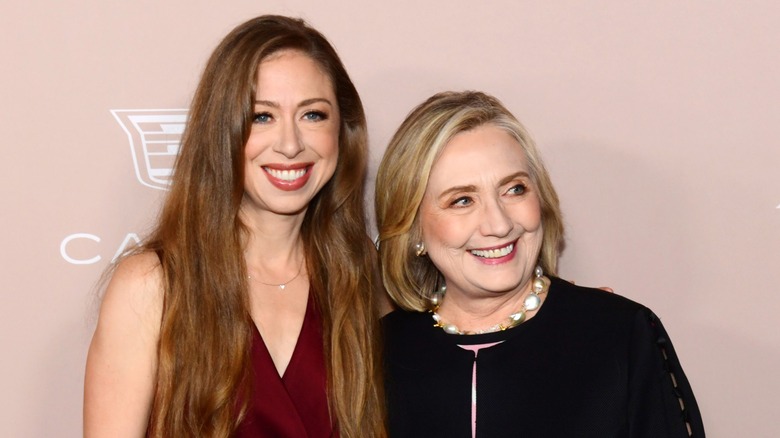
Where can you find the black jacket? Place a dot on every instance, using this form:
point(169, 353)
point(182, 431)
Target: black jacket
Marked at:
point(589, 364)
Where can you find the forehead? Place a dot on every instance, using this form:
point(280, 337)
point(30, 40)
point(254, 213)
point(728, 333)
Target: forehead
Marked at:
point(486, 151)
point(292, 71)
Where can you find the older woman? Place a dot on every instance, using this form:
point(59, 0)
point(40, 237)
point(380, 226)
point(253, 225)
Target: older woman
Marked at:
point(248, 310)
point(487, 341)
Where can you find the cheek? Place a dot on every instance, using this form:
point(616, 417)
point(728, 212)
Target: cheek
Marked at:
point(529, 214)
point(331, 151)
point(445, 232)
point(534, 219)
point(254, 146)
point(250, 153)
point(324, 142)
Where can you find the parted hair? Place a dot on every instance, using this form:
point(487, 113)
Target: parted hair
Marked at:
point(403, 176)
point(206, 329)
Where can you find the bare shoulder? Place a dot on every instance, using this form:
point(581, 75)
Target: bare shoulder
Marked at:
point(122, 360)
point(134, 291)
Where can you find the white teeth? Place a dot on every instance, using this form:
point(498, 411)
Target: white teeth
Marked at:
point(286, 175)
point(494, 253)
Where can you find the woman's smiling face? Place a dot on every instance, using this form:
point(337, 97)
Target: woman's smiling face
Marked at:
point(480, 215)
point(293, 146)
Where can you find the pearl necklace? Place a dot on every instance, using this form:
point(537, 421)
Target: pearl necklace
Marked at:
point(531, 302)
point(280, 285)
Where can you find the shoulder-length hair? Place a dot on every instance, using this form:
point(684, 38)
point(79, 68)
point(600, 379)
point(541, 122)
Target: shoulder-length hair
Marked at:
point(403, 176)
point(206, 329)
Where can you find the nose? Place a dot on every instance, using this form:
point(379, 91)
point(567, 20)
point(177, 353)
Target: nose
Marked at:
point(495, 220)
point(290, 143)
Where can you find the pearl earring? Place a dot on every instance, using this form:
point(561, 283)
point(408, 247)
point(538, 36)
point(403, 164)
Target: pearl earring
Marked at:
point(419, 249)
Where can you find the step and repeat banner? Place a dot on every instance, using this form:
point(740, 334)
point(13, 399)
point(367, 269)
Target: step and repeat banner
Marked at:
point(657, 120)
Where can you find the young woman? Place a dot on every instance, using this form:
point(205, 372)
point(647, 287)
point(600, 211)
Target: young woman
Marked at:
point(248, 311)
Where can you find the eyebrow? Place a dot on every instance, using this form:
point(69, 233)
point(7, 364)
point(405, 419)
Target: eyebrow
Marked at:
point(472, 188)
point(300, 104)
point(457, 189)
point(522, 174)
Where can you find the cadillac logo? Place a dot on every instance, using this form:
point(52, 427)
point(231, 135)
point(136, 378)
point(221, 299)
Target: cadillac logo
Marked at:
point(154, 137)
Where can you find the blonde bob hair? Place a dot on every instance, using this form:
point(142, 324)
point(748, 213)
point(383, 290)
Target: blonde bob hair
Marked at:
point(403, 176)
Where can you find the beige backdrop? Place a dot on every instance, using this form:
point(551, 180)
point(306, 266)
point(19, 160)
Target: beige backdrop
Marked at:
point(658, 121)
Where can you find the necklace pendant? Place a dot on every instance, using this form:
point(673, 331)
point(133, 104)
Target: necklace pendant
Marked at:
point(281, 286)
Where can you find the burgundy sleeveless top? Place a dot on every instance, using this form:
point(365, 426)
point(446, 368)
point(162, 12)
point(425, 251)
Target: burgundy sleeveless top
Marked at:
point(296, 404)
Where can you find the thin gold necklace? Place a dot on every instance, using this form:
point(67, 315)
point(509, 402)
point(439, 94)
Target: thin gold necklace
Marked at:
point(280, 285)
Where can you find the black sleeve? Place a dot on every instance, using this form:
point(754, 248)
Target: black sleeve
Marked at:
point(661, 401)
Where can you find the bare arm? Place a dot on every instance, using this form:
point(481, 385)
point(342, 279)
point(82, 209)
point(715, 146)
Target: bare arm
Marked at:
point(122, 359)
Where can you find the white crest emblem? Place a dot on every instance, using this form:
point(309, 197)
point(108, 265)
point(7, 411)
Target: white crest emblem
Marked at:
point(154, 137)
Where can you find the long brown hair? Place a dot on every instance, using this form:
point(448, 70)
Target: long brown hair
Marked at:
point(403, 177)
point(205, 337)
